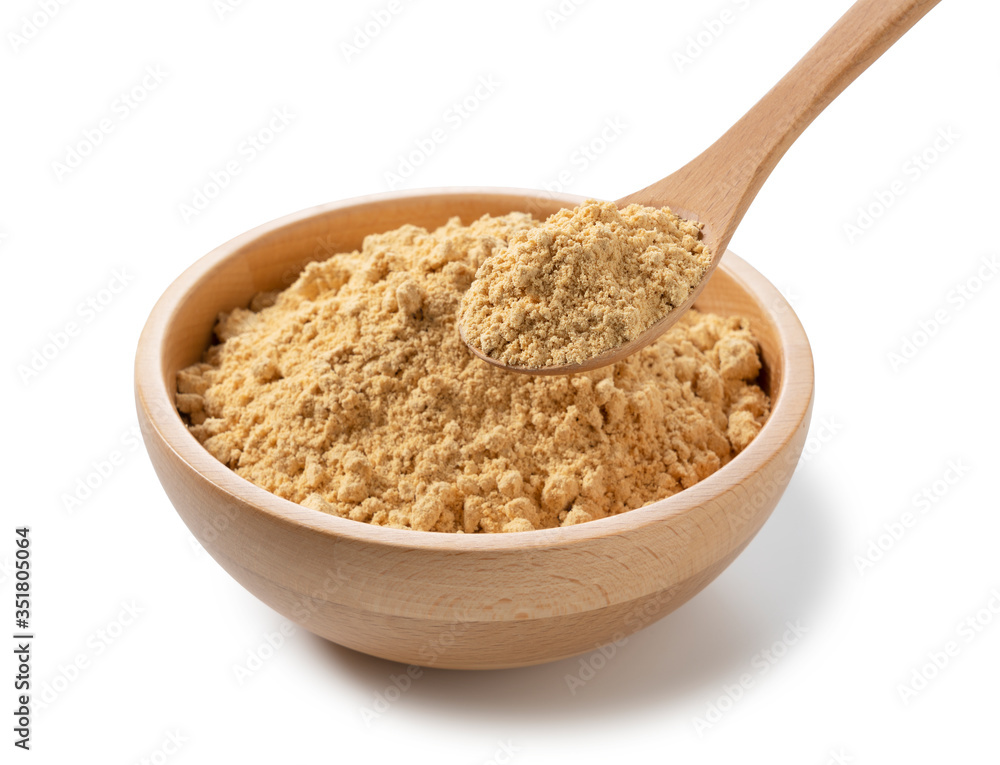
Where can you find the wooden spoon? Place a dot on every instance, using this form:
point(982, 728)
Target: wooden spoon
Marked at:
point(717, 187)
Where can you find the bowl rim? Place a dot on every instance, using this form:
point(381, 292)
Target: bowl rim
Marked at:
point(155, 404)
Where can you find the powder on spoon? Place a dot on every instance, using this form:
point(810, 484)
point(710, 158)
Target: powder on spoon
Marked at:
point(585, 281)
point(352, 393)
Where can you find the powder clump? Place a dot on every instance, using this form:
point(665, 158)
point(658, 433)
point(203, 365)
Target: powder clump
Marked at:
point(352, 393)
point(585, 281)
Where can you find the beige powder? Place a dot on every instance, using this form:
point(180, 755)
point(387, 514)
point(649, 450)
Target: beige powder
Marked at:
point(586, 281)
point(352, 393)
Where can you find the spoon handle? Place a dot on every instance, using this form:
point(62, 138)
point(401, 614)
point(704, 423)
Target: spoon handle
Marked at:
point(720, 183)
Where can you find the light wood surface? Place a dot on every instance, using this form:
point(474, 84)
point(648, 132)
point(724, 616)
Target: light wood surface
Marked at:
point(717, 187)
point(462, 601)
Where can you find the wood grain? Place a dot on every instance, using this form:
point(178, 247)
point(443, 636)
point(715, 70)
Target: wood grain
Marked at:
point(463, 601)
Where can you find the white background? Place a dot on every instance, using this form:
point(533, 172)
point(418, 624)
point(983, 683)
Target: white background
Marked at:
point(883, 432)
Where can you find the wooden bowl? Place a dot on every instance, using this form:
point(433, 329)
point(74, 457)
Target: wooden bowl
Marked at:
point(457, 600)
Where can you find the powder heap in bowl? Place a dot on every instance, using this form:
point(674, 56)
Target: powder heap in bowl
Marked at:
point(352, 393)
point(585, 281)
